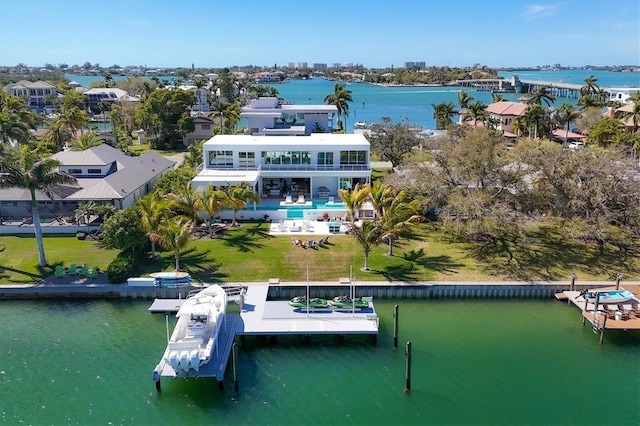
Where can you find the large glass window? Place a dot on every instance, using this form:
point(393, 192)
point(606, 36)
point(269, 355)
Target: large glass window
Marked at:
point(325, 158)
point(247, 159)
point(221, 158)
point(353, 157)
point(286, 157)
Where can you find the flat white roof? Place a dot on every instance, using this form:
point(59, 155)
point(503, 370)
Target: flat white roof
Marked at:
point(223, 177)
point(320, 140)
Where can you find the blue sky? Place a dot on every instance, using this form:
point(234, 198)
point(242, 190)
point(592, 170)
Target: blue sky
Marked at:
point(375, 33)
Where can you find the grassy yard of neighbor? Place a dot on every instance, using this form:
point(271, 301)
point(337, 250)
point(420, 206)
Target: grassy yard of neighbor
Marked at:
point(249, 253)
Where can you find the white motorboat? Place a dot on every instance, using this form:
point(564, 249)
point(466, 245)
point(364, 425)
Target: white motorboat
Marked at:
point(608, 297)
point(361, 127)
point(195, 336)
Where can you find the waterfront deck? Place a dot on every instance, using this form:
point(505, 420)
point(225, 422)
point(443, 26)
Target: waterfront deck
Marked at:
point(608, 317)
point(261, 317)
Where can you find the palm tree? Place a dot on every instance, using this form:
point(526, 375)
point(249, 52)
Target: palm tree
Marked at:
point(353, 200)
point(443, 112)
point(25, 169)
point(13, 130)
point(175, 235)
point(186, 200)
point(540, 95)
point(226, 111)
point(591, 86)
point(380, 195)
point(57, 134)
point(398, 216)
point(564, 116)
point(211, 201)
point(367, 235)
point(497, 97)
point(464, 98)
point(236, 197)
point(476, 112)
point(534, 116)
point(340, 98)
point(152, 211)
point(73, 118)
point(86, 141)
point(194, 157)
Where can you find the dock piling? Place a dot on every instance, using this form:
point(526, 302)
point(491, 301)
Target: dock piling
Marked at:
point(619, 277)
point(572, 286)
point(234, 350)
point(395, 326)
point(604, 323)
point(407, 386)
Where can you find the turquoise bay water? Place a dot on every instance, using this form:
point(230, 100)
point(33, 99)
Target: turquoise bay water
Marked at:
point(371, 102)
point(474, 362)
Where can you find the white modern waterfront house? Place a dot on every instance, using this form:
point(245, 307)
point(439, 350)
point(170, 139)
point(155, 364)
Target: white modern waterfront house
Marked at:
point(296, 173)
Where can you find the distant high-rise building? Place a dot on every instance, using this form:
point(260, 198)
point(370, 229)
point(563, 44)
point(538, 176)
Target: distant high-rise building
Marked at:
point(336, 65)
point(291, 65)
point(303, 65)
point(347, 65)
point(420, 64)
point(319, 66)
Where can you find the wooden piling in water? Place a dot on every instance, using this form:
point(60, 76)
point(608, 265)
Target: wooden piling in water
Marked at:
point(407, 386)
point(604, 323)
point(234, 350)
point(395, 326)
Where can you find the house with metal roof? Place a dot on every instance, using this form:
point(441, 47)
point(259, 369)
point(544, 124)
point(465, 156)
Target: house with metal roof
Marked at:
point(104, 175)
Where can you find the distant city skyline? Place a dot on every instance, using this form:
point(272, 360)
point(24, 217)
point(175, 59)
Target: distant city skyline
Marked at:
point(373, 33)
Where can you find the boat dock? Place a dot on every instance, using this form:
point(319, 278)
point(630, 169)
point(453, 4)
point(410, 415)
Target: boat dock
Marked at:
point(623, 316)
point(261, 317)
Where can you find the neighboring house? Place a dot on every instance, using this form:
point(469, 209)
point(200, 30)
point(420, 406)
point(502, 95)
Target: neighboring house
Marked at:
point(505, 113)
point(269, 117)
point(107, 94)
point(623, 113)
point(287, 171)
point(203, 130)
point(105, 175)
point(38, 94)
point(622, 94)
point(202, 97)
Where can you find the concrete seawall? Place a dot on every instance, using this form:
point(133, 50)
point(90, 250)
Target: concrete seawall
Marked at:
point(285, 291)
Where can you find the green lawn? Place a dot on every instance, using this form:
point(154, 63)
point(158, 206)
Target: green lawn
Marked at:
point(249, 253)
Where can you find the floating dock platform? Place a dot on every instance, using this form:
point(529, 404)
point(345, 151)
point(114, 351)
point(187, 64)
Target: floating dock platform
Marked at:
point(261, 317)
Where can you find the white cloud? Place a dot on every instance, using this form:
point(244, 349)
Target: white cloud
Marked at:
point(538, 10)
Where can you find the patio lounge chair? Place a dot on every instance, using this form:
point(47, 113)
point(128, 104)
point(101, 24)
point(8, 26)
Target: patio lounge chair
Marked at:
point(301, 199)
point(93, 273)
point(73, 269)
point(288, 200)
point(330, 201)
point(59, 271)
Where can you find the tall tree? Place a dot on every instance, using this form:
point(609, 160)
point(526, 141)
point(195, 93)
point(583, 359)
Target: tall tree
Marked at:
point(152, 210)
point(564, 116)
point(340, 98)
point(211, 200)
point(443, 113)
point(236, 197)
point(86, 141)
point(464, 99)
point(393, 141)
point(57, 134)
point(398, 216)
point(367, 234)
point(476, 112)
point(165, 116)
point(541, 95)
point(353, 200)
point(25, 169)
point(74, 118)
point(175, 236)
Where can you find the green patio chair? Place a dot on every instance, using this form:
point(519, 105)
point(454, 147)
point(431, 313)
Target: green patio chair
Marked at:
point(73, 269)
point(85, 270)
point(93, 273)
point(59, 271)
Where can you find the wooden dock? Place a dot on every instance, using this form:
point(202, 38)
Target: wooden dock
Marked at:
point(607, 317)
